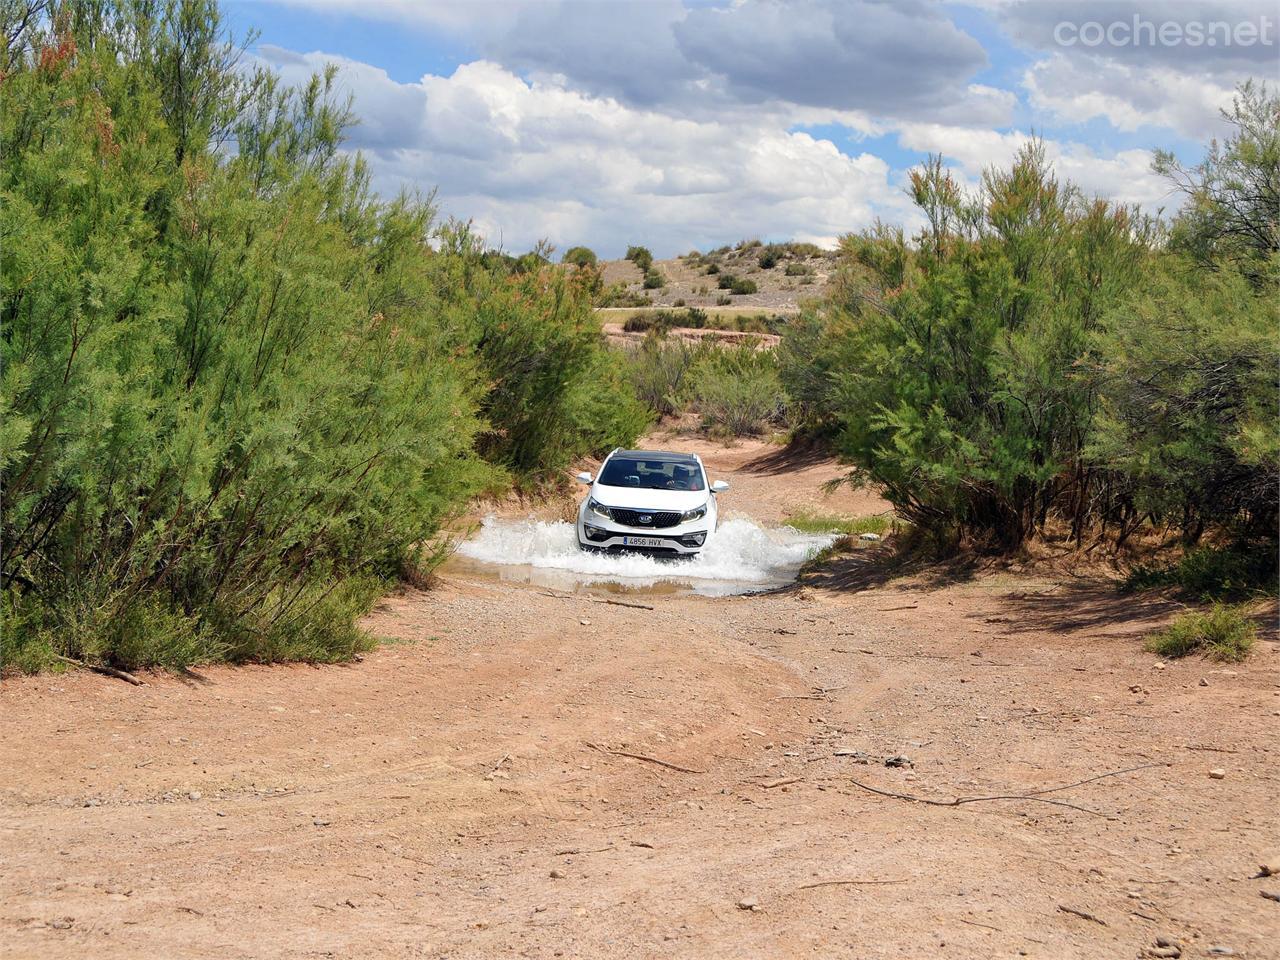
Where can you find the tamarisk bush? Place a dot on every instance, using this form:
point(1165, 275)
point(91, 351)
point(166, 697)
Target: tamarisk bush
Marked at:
point(239, 391)
point(1034, 355)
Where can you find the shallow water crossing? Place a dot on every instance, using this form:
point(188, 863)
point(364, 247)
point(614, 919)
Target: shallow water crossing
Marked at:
point(742, 557)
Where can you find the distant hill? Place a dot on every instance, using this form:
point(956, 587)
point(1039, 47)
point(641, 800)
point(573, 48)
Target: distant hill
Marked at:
point(783, 275)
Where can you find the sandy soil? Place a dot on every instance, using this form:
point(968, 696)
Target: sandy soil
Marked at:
point(516, 774)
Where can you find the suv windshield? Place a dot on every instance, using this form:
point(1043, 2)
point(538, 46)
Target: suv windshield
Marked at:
point(651, 474)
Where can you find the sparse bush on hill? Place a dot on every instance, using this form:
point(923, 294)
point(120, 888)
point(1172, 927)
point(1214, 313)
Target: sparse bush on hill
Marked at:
point(769, 257)
point(712, 269)
point(641, 257)
point(804, 250)
point(653, 280)
point(580, 257)
point(798, 270)
point(239, 393)
point(741, 286)
point(726, 281)
point(619, 295)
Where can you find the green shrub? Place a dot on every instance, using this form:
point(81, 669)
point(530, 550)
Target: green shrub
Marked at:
point(815, 347)
point(742, 286)
point(798, 270)
point(1214, 573)
point(769, 257)
point(712, 269)
point(540, 349)
point(957, 389)
point(803, 250)
point(723, 301)
point(620, 295)
point(653, 280)
point(665, 319)
point(1033, 358)
point(1224, 633)
point(580, 257)
point(531, 262)
point(1184, 370)
point(660, 371)
point(736, 390)
point(239, 393)
point(726, 281)
point(641, 257)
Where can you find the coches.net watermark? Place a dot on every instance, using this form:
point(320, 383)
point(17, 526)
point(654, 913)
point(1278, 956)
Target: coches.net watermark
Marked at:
point(1141, 32)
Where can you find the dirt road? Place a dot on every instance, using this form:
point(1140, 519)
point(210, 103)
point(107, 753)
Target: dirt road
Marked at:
point(515, 774)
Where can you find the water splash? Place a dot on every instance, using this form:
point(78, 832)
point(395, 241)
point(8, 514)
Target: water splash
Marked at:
point(742, 557)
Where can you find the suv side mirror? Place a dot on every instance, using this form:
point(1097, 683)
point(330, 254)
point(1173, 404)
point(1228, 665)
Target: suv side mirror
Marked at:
point(584, 477)
point(720, 486)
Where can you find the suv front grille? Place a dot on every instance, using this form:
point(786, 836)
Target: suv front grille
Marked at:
point(657, 518)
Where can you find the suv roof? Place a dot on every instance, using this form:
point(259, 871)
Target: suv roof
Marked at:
point(657, 456)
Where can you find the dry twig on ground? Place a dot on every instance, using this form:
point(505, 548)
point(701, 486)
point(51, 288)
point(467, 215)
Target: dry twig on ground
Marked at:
point(641, 756)
point(101, 668)
point(1035, 795)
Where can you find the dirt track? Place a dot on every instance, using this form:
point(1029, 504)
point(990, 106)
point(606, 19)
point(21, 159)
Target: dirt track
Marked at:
point(463, 791)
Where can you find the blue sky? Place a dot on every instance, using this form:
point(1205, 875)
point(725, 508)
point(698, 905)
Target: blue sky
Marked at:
point(684, 125)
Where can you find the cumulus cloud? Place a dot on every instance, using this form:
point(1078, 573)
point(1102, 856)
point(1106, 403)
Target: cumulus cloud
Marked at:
point(901, 59)
point(1036, 23)
point(1128, 97)
point(678, 124)
point(886, 59)
point(1144, 79)
point(1124, 176)
point(532, 159)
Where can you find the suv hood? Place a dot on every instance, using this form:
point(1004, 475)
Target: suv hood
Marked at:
point(633, 498)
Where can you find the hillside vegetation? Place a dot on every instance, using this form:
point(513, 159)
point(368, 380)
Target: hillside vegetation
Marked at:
point(768, 279)
point(239, 391)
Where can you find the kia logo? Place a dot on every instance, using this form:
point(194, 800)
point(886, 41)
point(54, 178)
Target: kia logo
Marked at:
point(646, 518)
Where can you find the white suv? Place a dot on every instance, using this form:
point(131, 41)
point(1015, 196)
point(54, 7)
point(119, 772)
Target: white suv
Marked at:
point(649, 500)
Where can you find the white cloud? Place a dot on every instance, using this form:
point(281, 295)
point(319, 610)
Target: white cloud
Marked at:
point(533, 159)
point(894, 60)
point(1124, 176)
point(1141, 80)
point(1075, 90)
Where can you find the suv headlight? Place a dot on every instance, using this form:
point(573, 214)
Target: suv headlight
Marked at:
point(599, 509)
point(697, 513)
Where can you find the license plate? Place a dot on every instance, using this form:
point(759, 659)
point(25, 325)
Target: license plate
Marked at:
point(644, 541)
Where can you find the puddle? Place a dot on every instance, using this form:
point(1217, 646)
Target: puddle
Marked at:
point(743, 557)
